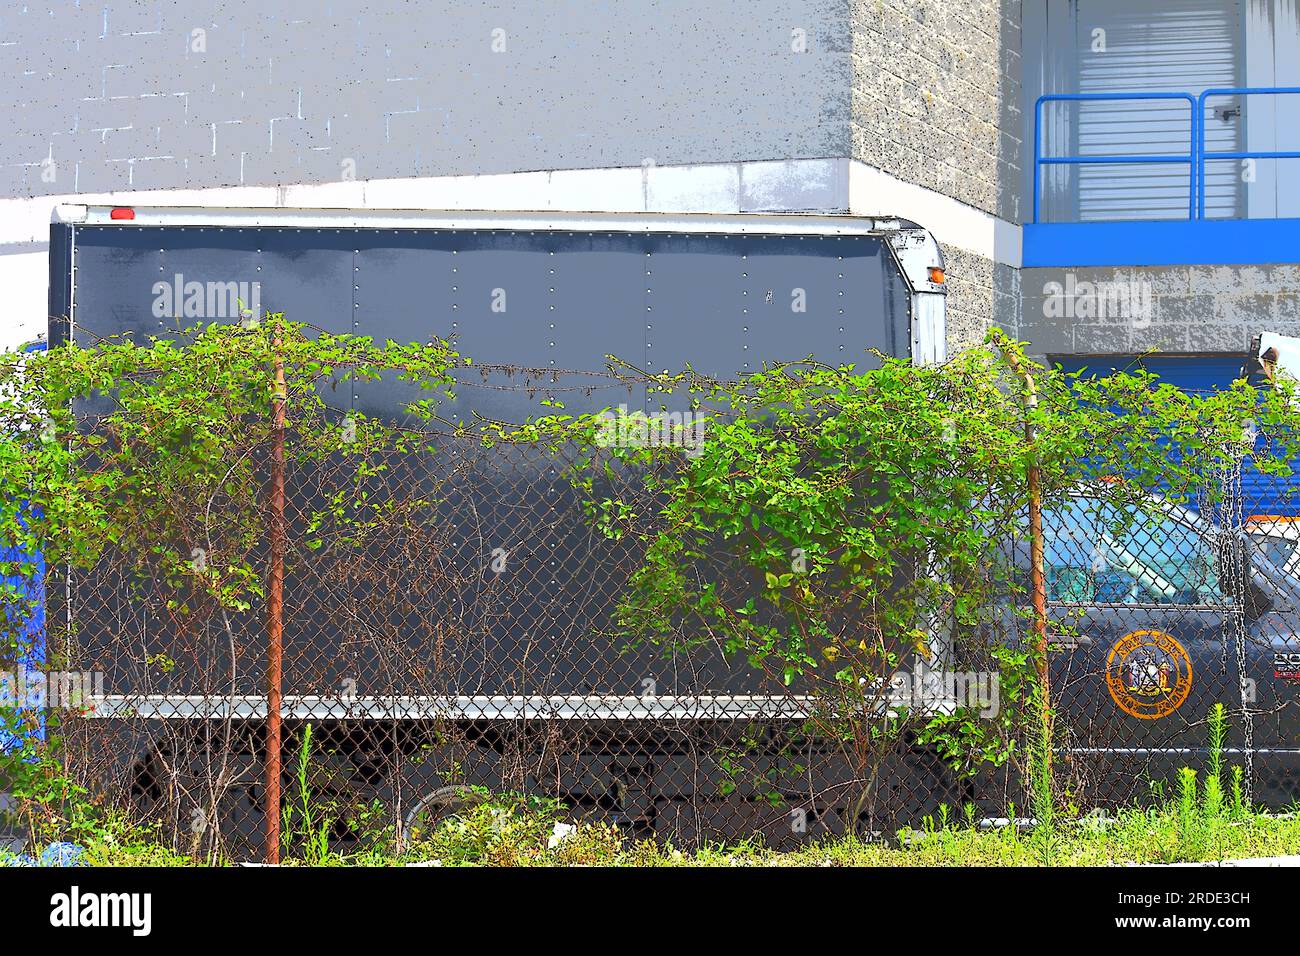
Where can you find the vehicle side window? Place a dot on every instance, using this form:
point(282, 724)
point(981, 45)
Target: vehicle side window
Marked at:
point(1096, 553)
point(1278, 551)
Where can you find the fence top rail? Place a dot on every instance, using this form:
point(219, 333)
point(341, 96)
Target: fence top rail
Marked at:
point(412, 708)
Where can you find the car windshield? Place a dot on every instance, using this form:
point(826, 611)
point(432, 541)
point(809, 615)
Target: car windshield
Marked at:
point(1098, 552)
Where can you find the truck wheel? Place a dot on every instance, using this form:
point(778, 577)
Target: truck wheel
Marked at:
point(438, 806)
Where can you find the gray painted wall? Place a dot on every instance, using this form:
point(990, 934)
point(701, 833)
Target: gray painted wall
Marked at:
point(116, 94)
point(121, 94)
point(113, 95)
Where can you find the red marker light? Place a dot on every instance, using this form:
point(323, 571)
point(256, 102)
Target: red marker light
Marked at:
point(122, 212)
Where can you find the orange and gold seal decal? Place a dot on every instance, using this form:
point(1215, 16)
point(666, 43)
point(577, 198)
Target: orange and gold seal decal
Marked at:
point(1148, 674)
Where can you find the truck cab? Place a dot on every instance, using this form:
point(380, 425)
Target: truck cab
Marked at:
point(1159, 613)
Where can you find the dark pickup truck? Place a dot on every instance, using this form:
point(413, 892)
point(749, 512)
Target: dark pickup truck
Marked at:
point(1159, 617)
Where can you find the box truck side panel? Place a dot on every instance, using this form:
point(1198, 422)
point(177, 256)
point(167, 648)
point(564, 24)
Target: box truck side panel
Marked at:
point(538, 299)
point(554, 299)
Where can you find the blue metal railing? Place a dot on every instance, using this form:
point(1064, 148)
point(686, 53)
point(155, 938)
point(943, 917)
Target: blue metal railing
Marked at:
point(1195, 158)
point(1040, 160)
point(1204, 154)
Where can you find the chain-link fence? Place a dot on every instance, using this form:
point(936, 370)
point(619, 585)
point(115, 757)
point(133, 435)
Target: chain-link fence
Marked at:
point(1162, 615)
point(462, 640)
point(464, 644)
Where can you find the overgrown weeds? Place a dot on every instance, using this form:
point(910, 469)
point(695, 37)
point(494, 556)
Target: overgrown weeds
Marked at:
point(1198, 821)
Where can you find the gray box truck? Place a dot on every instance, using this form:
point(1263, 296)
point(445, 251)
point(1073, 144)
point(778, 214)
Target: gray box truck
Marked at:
point(555, 294)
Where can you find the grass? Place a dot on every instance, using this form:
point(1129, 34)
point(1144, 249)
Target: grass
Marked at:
point(524, 832)
point(310, 828)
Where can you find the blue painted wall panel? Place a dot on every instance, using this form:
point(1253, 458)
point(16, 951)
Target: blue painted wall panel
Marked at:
point(1162, 243)
point(26, 615)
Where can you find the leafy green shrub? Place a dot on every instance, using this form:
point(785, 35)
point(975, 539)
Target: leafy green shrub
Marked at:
point(516, 830)
point(826, 518)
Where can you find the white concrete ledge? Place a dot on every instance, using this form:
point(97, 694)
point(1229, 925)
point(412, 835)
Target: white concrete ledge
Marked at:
point(826, 186)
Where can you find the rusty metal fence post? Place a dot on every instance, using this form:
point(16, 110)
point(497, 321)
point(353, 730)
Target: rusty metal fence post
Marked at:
point(275, 610)
point(1037, 575)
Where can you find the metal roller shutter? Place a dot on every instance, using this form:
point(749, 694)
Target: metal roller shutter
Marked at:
point(1187, 46)
point(1261, 494)
point(1196, 373)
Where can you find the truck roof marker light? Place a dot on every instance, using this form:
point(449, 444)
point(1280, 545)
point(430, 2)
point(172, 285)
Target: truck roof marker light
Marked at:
point(937, 275)
point(122, 212)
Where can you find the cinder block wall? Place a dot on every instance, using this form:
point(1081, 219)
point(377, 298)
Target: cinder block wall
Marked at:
point(1192, 309)
point(936, 101)
point(154, 94)
point(981, 293)
point(936, 94)
point(159, 94)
